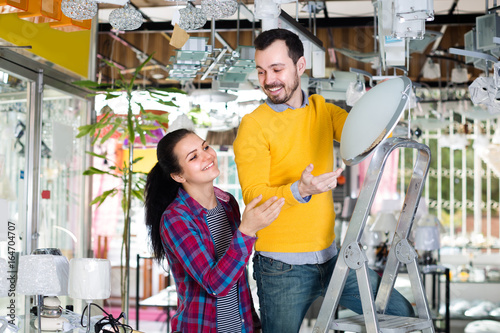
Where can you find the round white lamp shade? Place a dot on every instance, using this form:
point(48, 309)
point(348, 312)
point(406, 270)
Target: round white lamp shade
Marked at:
point(4, 283)
point(89, 278)
point(43, 274)
point(373, 118)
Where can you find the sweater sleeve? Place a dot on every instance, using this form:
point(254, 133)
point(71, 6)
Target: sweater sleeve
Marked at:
point(253, 161)
point(339, 117)
point(182, 235)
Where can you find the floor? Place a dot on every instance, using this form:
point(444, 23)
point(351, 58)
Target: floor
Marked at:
point(160, 327)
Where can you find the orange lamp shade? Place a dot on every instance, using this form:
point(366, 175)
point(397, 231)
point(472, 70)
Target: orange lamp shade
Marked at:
point(68, 24)
point(42, 11)
point(13, 6)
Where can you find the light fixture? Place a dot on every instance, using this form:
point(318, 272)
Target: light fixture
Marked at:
point(79, 9)
point(413, 10)
point(200, 96)
point(44, 275)
point(217, 9)
point(427, 239)
point(459, 75)
point(125, 18)
point(264, 9)
point(191, 18)
point(431, 70)
point(374, 119)
point(409, 18)
point(481, 89)
point(89, 279)
point(354, 92)
point(385, 222)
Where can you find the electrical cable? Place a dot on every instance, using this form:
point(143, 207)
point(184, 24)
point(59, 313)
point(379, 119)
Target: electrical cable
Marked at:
point(114, 323)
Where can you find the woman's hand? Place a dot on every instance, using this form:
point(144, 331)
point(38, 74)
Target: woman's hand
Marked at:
point(256, 218)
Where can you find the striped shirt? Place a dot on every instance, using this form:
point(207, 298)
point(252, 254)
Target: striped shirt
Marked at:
point(228, 316)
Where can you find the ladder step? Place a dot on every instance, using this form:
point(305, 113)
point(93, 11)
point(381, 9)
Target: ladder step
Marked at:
point(387, 324)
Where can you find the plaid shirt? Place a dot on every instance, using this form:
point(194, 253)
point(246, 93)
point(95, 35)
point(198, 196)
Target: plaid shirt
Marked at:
point(199, 275)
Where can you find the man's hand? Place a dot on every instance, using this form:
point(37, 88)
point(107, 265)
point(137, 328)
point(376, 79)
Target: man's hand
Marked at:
point(256, 218)
point(309, 184)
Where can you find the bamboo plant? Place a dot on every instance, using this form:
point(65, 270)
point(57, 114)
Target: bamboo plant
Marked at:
point(130, 127)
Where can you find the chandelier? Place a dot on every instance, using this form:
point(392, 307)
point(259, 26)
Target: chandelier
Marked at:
point(217, 9)
point(79, 9)
point(125, 18)
point(191, 18)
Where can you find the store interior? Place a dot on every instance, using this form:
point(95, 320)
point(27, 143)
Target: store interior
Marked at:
point(75, 74)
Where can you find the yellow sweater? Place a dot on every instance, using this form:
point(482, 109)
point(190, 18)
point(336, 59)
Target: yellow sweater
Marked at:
point(272, 149)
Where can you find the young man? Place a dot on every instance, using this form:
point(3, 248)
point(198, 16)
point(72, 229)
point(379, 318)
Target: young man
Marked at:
point(285, 148)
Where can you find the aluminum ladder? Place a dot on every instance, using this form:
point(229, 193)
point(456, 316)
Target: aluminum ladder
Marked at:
point(352, 256)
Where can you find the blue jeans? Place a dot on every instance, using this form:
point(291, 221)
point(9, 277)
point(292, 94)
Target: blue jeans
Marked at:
point(286, 292)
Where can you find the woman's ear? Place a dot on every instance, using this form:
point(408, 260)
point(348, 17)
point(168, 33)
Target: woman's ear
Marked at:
point(178, 178)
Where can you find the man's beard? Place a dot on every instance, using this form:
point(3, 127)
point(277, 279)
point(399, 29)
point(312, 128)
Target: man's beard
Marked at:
point(288, 94)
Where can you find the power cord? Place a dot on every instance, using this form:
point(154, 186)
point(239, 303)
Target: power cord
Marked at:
point(108, 323)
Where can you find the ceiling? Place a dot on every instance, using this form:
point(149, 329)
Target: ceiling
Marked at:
point(337, 25)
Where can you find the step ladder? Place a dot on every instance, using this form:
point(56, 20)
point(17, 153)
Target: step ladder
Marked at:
point(352, 256)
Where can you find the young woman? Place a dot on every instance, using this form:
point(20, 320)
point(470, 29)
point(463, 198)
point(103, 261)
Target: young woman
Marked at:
point(197, 227)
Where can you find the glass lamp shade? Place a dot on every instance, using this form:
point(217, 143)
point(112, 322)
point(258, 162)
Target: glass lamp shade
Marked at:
point(427, 238)
point(354, 92)
point(79, 9)
point(4, 283)
point(89, 278)
point(43, 274)
point(370, 121)
point(125, 18)
point(217, 9)
point(191, 18)
point(410, 10)
point(266, 9)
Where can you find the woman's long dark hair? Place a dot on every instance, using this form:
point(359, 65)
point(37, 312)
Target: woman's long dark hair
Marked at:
point(161, 189)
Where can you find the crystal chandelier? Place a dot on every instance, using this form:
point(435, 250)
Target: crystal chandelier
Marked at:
point(79, 9)
point(125, 18)
point(217, 9)
point(191, 18)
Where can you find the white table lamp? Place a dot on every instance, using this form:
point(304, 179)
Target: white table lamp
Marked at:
point(89, 279)
point(44, 275)
point(385, 222)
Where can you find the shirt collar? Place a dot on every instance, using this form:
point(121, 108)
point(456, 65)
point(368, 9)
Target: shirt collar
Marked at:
point(282, 107)
point(194, 205)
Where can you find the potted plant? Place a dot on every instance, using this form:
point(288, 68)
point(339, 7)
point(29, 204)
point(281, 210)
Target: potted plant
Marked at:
point(130, 127)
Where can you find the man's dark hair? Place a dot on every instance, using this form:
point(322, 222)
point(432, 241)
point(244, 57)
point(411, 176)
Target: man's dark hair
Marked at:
point(292, 41)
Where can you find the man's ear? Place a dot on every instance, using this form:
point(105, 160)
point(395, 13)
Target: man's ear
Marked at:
point(178, 178)
point(301, 65)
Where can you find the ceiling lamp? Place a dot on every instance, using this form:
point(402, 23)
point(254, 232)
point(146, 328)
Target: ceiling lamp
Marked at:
point(125, 18)
point(431, 70)
point(191, 18)
point(79, 9)
point(374, 119)
point(217, 9)
point(266, 9)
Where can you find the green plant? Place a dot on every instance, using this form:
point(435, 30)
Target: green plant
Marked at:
point(130, 126)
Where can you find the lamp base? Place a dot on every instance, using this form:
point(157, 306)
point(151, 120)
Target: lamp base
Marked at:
point(52, 324)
